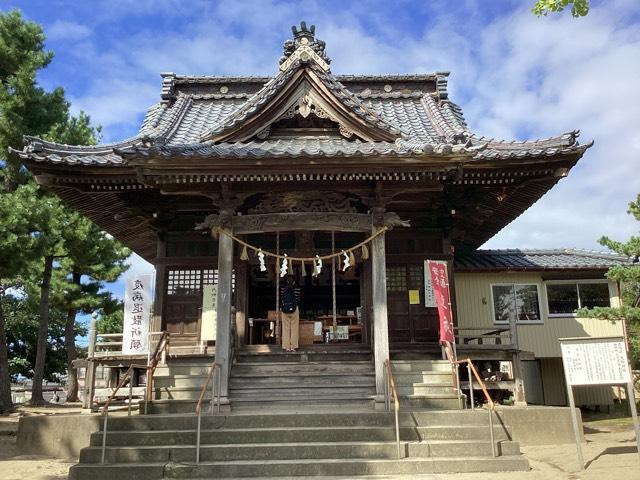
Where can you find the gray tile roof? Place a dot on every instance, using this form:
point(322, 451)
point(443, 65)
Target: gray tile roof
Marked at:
point(536, 260)
point(414, 107)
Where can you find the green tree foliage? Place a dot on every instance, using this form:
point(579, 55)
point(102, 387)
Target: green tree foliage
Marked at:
point(58, 258)
point(629, 279)
point(25, 108)
point(579, 8)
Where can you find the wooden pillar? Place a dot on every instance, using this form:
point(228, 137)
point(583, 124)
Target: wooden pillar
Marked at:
point(518, 392)
point(379, 304)
point(161, 269)
point(223, 309)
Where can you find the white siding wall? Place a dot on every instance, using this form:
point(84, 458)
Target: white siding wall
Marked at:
point(474, 308)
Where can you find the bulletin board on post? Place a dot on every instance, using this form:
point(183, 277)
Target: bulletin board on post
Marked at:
point(597, 361)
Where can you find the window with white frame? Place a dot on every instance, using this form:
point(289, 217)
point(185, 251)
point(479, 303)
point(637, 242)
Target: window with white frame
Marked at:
point(566, 297)
point(516, 302)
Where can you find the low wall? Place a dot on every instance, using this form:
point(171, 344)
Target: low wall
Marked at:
point(60, 436)
point(540, 425)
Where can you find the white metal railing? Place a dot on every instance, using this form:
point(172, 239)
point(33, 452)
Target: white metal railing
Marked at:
point(389, 393)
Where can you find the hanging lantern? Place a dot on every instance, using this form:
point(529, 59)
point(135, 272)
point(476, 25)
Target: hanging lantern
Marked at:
point(263, 267)
point(285, 266)
point(244, 255)
point(365, 252)
point(345, 261)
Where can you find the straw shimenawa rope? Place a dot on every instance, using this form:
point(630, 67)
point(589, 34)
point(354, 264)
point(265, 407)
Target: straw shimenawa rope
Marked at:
point(305, 259)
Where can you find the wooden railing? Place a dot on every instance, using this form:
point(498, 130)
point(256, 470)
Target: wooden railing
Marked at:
point(483, 336)
point(390, 391)
point(203, 392)
point(471, 369)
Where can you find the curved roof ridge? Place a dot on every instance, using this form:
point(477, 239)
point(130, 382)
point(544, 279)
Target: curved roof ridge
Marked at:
point(439, 121)
point(567, 139)
point(35, 144)
point(251, 107)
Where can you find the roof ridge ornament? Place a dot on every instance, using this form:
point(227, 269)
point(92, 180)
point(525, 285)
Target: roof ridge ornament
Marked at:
point(304, 47)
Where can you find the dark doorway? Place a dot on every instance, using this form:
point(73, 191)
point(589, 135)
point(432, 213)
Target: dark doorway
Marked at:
point(409, 322)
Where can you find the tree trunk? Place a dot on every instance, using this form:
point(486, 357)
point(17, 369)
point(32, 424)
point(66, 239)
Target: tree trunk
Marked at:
point(43, 332)
point(70, 346)
point(6, 405)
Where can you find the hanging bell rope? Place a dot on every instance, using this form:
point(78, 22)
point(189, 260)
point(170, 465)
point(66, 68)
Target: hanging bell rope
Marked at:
point(265, 253)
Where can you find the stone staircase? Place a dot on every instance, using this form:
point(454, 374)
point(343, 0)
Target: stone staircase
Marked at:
point(305, 444)
point(424, 384)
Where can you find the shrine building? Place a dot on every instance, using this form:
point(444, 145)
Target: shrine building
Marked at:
point(357, 179)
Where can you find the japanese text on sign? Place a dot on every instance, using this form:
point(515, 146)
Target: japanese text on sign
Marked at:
point(137, 307)
point(595, 361)
point(440, 282)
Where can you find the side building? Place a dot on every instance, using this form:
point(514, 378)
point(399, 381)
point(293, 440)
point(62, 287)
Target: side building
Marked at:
point(540, 291)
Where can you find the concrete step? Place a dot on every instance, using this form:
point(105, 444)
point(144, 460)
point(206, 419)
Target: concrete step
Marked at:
point(290, 451)
point(424, 389)
point(289, 468)
point(121, 471)
point(306, 404)
point(269, 420)
point(296, 434)
point(429, 401)
point(344, 467)
point(407, 378)
point(420, 366)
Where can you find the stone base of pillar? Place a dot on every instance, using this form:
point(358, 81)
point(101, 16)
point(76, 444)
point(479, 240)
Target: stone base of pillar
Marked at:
point(380, 403)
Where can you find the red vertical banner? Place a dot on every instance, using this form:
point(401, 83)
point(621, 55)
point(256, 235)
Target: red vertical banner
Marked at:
point(440, 282)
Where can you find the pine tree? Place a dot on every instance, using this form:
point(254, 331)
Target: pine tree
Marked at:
point(39, 236)
point(628, 277)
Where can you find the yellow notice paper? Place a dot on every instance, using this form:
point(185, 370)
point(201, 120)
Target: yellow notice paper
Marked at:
point(414, 297)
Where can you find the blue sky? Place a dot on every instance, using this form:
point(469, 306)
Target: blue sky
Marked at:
point(515, 75)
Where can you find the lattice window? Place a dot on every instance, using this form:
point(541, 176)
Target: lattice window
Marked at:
point(416, 276)
point(184, 282)
point(396, 279)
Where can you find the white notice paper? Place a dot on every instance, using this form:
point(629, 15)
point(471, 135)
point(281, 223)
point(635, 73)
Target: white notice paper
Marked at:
point(595, 361)
point(429, 293)
point(137, 309)
point(209, 313)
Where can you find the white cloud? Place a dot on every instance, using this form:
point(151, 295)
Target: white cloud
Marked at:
point(67, 30)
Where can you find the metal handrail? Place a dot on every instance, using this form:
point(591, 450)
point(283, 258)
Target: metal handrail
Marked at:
point(214, 366)
point(472, 369)
point(390, 389)
point(105, 408)
point(158, 353)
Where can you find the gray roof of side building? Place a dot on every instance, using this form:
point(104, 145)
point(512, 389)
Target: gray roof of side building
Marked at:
point(539, 260)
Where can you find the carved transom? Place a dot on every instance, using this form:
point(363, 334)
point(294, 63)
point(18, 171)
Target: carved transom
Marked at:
point(305, 202)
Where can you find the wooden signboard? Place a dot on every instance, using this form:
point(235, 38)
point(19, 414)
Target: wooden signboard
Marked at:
point(592, 361)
